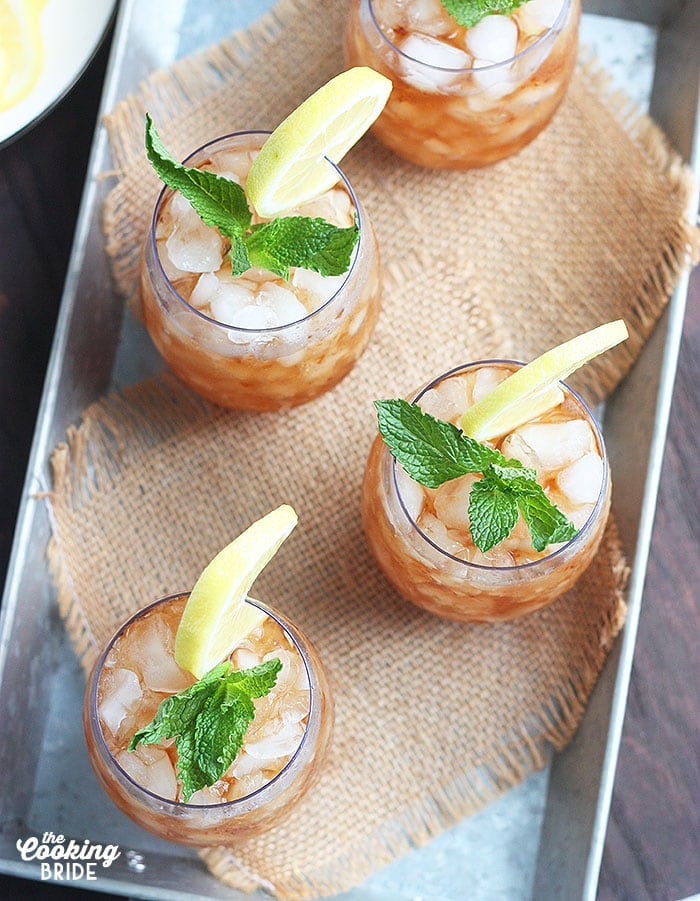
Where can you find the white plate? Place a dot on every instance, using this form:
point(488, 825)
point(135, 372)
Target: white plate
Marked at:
point(71, 31)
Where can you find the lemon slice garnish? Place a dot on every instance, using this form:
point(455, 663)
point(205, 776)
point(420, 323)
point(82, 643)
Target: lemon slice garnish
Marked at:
point(21, 49)
point(533, 389)
point(290, 168)
point(216, 618)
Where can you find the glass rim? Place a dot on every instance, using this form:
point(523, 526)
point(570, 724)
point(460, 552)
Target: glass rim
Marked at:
point(542, 38)
point(566, 546)
point(298, 643)
point(269, 330)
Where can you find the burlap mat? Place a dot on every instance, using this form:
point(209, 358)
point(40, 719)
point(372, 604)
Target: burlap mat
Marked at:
point(434, 719)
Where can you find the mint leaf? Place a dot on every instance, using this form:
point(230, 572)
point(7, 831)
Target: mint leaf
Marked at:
point(219, 732)
point(176, 712)
point(219, 202)
point(209, 721)
point(546, 522)
point(430, 450)
point(468, 12)
point(514, 474)
point(188, 771)
point(298, 241)
point(303, 242)
point(238, 256)
point(493, 514)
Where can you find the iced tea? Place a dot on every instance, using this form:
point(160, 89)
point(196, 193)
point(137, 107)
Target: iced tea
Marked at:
point(283, 747)
point(421, 536)
point(256, 341)
point(464, 97)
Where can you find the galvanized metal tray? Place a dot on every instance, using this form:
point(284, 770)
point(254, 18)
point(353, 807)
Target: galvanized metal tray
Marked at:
point(543, 839)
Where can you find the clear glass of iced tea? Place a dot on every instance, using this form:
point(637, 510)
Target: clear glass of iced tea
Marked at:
point(465, 97)
point(282, 751)
point(255, 341)
point(421, 537)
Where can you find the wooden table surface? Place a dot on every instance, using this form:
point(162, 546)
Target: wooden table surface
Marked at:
point(652, 849)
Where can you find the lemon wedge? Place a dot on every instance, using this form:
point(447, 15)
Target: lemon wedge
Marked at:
point(533, 389)
point(290, 168)
point(21, 49)
point(216, 618)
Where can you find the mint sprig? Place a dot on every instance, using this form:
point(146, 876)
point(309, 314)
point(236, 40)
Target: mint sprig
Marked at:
point(209, 721)
point(433, 451)
point(299, 241)
point(468, 12)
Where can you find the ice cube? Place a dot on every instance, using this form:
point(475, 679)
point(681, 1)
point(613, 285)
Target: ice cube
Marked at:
point(580, 516)
point(232, 162)
point(243, 765)
point(452, 502)
point(428, 62)
point(437, 532)
point(412, 494)
point(389, 13)
point(241, 788)
point(120, 696)
point(282, 302)
point(485, 380)
point(428, 17)
point(243, 658)
point(296, 706)
point(302, 683)
point(149, 652)
point(448, 400)
point(516, 448)
point(495, 80)
point(550, 445)
point(283, 743)
point(192, 245)
point(172, 273)
point(496, 556)
point(536, 16)
point(210, 794)
point(333, 205)
point(205, 290)
point(253, 316)
point(150, 768)
point(494, 38)
point(315, 288)
point(224, 296)
point(582, 480)
point(287, 676)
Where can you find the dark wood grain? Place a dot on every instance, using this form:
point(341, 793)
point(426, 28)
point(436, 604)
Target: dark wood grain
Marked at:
point(652, 849)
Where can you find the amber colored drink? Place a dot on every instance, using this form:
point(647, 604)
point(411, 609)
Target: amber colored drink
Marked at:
point(255, 342)
point(464, 98)
point(283, 749)
point(420, 536)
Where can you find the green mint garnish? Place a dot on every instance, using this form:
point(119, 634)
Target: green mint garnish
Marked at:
point(209, 720)
point(468, 12)
point(432, 452)
point(277, 245)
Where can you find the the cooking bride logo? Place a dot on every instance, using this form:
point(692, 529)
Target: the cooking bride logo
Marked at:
point(66, 861)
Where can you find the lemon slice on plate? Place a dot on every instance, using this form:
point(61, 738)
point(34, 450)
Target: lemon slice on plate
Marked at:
point(21, 49)
point(290, 168)
point(216, 618)
point(533, 389)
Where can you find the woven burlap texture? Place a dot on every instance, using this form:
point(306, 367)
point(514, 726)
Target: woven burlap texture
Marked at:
point(433, 719)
